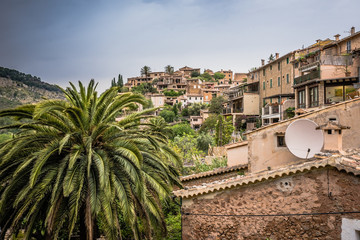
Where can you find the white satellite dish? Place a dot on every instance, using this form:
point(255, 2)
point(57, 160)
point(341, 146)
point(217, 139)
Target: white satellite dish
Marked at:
point(302, 139)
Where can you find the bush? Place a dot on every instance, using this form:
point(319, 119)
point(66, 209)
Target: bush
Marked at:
point(168, 115)
point(182, 129)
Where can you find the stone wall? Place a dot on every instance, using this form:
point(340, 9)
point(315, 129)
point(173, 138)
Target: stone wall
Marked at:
point(301, 193)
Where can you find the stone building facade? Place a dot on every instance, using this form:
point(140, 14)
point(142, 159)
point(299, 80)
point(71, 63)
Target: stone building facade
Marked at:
point(308, 202)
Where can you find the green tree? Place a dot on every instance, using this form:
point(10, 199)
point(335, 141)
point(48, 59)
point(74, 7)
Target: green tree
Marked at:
point(219, 75)
point(216, 105)
point(168, 115)
point(206, 76)
point(145, 71)
point(71, 165)
point(195, 74)
point(194, 109)
point(169, 69)
point(224, 130)
point(209, 124)
point(204, 140)
point(271, 58)
point(119, 82)
point(182, 129)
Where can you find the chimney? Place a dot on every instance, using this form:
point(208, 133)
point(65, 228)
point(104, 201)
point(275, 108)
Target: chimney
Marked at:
point(318, 41)
point(337, 37)
point(352, 30)
point(332, 136)
point(276, 55)
point(262, 62)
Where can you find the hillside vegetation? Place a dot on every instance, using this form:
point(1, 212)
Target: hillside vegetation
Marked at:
point(18, 88)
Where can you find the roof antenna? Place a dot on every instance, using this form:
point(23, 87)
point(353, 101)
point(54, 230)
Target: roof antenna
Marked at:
point(308, 151)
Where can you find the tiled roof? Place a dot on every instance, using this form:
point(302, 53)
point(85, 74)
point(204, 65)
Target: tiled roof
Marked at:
point(348, 163)
point(213, 172)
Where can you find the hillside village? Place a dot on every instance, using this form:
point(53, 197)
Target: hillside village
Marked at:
point(263, 189)
point(267, 192)
point(295, 83)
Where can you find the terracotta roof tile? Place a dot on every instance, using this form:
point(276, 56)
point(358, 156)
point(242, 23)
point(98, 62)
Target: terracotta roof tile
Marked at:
point(213, 172)
point(348, 164)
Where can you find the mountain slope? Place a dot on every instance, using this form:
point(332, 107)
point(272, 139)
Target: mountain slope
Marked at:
point(18, 88)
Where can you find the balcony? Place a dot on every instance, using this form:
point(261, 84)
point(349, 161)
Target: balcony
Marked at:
point(271, 110)
point(238, 110)
point(307, 77)
point(227, 110)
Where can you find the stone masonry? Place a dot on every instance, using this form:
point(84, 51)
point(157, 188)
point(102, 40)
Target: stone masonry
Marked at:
point(322, 190)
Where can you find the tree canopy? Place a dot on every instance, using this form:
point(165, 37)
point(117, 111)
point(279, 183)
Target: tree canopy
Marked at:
point(219, 75)
point(71, 164)
point(216, 105)
point(145, 71)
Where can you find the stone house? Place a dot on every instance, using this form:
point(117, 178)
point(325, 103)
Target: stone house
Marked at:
point(228, 75)
point(283, 196)
point(313, 200)
point(242, 103)
point(239, 78)
point(327, 75)
point(186, 71)
point(275, 81)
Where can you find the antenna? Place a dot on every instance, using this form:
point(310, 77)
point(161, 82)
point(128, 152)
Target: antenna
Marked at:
point(302, 139)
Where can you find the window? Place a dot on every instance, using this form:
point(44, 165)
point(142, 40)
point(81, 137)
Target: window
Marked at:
point(279, 83)
point(296, 65)
point(279, 66)
point(348, 46)
point(287, 60)
point(301, 99)
point(314, 97)
point(270, 67)
point(287, 78)
point(270, 83)
point(264, 72)
point(264, 85)
point(195, 98)
point(281, 141)
point(334, 94)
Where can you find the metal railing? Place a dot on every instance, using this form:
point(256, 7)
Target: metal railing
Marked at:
point(307, 77)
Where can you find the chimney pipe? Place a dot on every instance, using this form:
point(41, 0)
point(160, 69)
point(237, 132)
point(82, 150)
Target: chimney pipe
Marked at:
point(337, 37)
point(262, 62)
point(318, 41)
point(276, 55)
point(352, 30)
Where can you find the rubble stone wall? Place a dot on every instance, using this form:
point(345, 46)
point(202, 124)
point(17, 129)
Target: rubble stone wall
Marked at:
point(317, 191)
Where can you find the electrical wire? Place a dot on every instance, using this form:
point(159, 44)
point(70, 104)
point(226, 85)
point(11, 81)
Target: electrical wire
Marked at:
point(270, 215)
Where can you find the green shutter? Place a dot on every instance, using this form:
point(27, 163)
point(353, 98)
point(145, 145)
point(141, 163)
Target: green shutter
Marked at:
point(270, 83)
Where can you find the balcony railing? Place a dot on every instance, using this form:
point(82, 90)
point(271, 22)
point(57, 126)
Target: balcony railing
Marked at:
point(275, 109)
point(227, 110)
point(307, 77)
point(266, 110)
point(271, 110)
point(238, 110)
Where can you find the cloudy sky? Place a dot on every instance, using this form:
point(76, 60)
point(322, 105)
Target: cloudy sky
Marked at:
point(71, 40)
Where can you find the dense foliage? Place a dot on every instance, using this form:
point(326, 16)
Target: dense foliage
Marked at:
point(71, 167)
point(31, 81)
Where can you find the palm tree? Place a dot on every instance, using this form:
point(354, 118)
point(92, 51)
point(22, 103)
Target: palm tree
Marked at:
point(169, 69)
point(70, 165)
point(145, 71)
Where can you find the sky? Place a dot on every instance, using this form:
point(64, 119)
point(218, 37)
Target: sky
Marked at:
point(64, 41)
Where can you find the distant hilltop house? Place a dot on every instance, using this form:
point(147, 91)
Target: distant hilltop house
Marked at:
point(266, 192)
